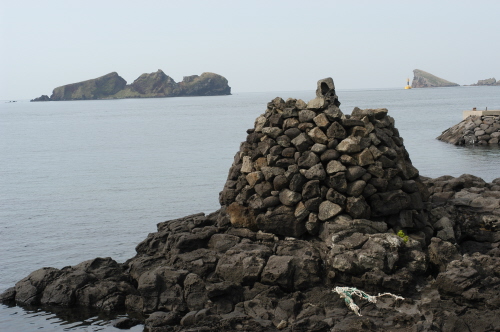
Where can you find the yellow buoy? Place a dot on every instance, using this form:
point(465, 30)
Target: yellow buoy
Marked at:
point(407, 84)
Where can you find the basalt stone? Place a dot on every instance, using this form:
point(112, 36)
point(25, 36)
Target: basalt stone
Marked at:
point(313, 204)
point(284, 141)
point(308, 159)
point(335, 197)
point(318, 148)
point(302, 142)
point(290, 123)
point(329, 154)
point(318, 136)
point(316, 172)
point(336, 131)
point(335, 166)
point(289, 197)
point(357, 207)
point(297, 182)
point(354, 172)
point(280, 182)
point(271, 201)
point(263, 189)
point(311, 189)
point(349, 145)
point(306, 115)
point(387, 203)
point(281, 221)
point(338, 182)
point(321, 120)
point(356, 188)
point(328, 210)
point(305, 127)
point(347, 160)
point(288, 152)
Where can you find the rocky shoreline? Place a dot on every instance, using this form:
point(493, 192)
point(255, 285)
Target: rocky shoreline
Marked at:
point(474, 130)
point(314, 200)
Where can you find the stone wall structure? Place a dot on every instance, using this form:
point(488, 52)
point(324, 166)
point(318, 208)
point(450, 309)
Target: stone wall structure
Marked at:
point(306, 164)
point(474, 130)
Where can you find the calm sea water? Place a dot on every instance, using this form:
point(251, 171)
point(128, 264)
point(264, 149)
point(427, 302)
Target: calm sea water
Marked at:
point(85, 179)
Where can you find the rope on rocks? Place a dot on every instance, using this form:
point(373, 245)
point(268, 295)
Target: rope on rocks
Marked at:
point(346, 293)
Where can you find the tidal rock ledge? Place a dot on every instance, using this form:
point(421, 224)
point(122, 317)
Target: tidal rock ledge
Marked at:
point(255, 266)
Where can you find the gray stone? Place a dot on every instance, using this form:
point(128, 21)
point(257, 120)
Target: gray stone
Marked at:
point(354, 172)
point(336, 131)
point(321, 120)
point(335, 166)
point(316, 172)
point(306, 116)
point(289, 198)
point(302, 142)
point(308, 159)
point(349, 145)
point(356, 188)
point(328, 210)
point(316, 103)
point(278, 271)
point(357, 207)
point(318, 136)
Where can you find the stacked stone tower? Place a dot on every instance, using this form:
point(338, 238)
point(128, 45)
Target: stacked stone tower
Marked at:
point(304, 165)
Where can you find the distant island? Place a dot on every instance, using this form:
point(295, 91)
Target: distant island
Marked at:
point(423, 79)
point(487, 82)
point(153, 85)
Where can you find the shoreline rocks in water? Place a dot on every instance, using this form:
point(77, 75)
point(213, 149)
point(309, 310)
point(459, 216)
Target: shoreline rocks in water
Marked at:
point(269, 259)
point(153, 85)
point(474, 130)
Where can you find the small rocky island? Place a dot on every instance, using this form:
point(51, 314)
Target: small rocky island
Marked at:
point(487, 82)
point(153, 85)
point(323, 219)
point(423, 79)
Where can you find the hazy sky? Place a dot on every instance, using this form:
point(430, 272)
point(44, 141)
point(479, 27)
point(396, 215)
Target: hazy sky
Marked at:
point(257, 45)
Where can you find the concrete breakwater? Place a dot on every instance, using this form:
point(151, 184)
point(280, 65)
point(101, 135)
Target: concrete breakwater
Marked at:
point(343, 206)
point(477, 128)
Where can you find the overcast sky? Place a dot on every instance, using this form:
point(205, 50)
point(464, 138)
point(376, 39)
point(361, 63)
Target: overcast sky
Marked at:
point(257, 45)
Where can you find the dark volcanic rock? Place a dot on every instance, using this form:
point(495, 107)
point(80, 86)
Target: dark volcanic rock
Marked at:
point(272, 266)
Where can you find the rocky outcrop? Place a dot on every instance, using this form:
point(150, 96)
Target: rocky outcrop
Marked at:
point(99, 88)
point(423, 79)
point(232, 270)
point(153, 85)
point(41, 98)
point(475, 130)
point(486, 82)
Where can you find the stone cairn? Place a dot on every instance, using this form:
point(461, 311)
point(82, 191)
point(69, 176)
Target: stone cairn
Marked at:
point(306, 164)
point(476, 129)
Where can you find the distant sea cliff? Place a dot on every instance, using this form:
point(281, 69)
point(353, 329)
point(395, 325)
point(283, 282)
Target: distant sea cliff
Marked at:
point(423, 79)
point(153, 85)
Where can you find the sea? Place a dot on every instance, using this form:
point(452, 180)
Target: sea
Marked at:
point(86, 179)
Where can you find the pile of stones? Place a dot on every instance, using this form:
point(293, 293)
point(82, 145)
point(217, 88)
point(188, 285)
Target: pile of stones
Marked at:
point(478, 129)
point(304, 165)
